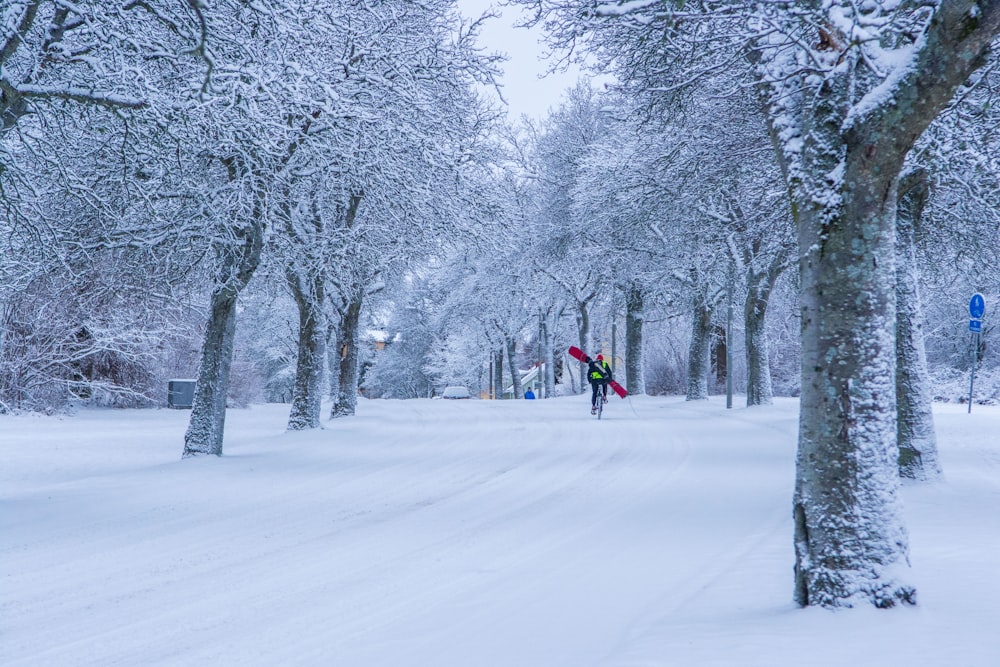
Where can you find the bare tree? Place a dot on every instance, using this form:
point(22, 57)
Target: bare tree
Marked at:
point(849, 88)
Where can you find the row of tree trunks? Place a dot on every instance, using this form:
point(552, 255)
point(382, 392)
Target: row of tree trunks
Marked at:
point(914, 428)
point(918, 458)
point(915, 424)
point(238, 261)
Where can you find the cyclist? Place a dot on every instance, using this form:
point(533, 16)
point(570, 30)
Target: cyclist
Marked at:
point(599, 374)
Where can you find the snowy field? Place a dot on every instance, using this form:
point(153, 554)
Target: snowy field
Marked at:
point(465, 533)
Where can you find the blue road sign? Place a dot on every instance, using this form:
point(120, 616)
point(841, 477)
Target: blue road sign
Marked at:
point(977, 306)
point(976, 326)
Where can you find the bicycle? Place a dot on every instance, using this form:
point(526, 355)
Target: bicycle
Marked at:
point(582, 357)
point(602, 398)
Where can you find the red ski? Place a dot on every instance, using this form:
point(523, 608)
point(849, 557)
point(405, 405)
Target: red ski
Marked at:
point(580, 355)
point(618, 389)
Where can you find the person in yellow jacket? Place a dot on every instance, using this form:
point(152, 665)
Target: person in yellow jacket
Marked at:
point(599, 374)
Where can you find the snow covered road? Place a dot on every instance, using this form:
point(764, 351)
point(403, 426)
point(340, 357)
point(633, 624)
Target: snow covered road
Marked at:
point(466, 533)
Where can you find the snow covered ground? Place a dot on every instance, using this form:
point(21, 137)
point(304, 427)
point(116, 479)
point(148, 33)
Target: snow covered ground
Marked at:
point(465, 533)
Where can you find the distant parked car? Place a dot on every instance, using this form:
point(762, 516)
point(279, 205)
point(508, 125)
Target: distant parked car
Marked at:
point(456, 392)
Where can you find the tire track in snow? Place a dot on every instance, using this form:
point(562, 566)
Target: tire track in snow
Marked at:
point(717, 550)
point(209, 561)
point(55, 601)
point(492, 518)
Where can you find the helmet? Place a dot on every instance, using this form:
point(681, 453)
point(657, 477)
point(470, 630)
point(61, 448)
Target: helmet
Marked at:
point(600, 357)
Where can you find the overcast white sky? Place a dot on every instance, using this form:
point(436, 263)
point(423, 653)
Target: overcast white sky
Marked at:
point(524, 91)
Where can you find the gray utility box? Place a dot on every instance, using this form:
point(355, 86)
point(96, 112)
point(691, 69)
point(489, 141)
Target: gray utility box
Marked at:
point(180, 393)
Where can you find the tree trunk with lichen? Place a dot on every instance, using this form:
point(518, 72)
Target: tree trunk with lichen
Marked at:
point(850, 540)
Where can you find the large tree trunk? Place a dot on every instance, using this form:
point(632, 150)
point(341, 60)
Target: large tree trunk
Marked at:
point(515, 375)
point(635, 382)
point(759, 288)
point(850, 540)
point(240, 255)
point(238, 264)
point(918, 457)
point(208, 414)
point(307, 395)
point(842, 165)
point(346, 401)
point(849, 534)
point(700, 349)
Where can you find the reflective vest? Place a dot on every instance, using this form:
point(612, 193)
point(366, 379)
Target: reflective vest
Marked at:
point(594, 375)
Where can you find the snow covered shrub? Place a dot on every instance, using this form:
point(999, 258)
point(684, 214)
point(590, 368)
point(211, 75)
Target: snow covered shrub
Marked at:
point(948, 341)
point(267, 329)
point(951, 385)
point(245, 383)
point(460, 357)
point(665, 354)
point(397, 368)
point(986, 389)
point(114, 379)
point(783, 326)
point(57, 345)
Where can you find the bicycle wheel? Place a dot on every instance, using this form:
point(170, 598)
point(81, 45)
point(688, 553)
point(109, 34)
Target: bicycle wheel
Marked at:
point(600, 405)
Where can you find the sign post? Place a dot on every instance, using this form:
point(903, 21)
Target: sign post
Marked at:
point(977, 308)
